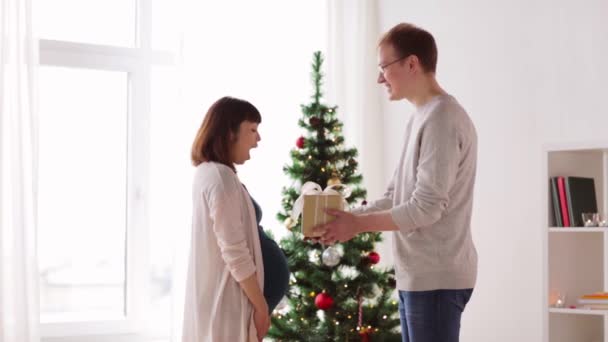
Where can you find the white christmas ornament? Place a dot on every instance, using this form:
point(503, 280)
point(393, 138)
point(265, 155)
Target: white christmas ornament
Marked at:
point(283, 306)
point(314, 256)
point(331, 256)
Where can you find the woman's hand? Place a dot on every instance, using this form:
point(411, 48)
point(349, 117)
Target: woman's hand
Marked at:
point(261, 320)
point(261, 317)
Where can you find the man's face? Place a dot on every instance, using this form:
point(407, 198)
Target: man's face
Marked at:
point(394, 72)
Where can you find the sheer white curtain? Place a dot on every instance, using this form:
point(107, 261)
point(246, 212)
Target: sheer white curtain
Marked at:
point(353, 36)
point(19, 317)
point(353, 33)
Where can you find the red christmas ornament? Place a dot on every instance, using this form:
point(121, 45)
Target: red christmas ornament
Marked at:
point(373, 258)
point(364, 336)
point(300, 142)
point(324, 301)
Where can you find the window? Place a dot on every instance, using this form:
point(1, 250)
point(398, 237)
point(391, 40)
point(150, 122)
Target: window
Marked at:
point(108, 22)
point(115, 174)
point(97, 276)
point(82, 192)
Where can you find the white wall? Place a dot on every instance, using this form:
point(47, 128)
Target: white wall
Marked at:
point(528, 72)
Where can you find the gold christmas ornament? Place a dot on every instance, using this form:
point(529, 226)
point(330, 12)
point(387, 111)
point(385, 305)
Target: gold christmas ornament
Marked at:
point(334, 180)
point(289, 223)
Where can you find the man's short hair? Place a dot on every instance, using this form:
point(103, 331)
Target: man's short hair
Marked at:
point(408, 39)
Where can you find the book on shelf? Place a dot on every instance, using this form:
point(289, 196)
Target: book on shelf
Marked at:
point(561, 187)
point(571, 197)
point(597, 300)
point(593, 306)
point(580, 194)
point(593, 301)
point(557, 213)
point(596, 295)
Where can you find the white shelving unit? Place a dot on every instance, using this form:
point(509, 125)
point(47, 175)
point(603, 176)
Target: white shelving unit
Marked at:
point(575, 258)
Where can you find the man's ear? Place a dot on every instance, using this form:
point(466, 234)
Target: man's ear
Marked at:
point(413, 63)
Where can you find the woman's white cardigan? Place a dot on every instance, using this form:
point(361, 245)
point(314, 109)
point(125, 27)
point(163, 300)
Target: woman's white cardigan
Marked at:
point(225, 249)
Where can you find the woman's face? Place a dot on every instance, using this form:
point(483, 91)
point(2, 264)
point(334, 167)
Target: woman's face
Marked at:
point(246, 139)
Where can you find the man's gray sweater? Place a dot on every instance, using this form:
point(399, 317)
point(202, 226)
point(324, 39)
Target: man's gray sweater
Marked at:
point(430, 199)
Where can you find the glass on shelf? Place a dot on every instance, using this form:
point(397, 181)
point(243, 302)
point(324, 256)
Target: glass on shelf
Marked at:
point(591, 219)
point(557, 298)
point(602, 222)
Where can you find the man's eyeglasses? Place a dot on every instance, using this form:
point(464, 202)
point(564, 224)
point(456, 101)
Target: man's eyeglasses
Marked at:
point(382, 68)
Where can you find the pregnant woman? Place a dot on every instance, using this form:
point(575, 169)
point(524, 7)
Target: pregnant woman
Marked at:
point(236, 274)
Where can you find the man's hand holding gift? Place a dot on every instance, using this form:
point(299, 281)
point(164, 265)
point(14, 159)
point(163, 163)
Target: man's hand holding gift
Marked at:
point(342, 228)
point(319, 207)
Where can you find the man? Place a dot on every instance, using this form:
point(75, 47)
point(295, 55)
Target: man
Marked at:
point(429, 200)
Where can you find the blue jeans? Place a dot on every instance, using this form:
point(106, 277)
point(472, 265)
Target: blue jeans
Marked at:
point(432, 316)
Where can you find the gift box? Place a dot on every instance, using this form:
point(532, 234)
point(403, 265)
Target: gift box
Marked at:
point(314, 200)
point(313, 213)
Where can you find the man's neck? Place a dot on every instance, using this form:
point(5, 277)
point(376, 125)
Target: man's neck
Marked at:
point(428, 89)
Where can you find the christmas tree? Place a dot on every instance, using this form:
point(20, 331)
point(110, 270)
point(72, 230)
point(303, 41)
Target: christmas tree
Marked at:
point(336, 292)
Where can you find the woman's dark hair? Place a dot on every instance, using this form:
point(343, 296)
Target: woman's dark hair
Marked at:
point(222, 121)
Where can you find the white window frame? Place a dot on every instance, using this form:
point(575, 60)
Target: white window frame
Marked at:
point(137, 63)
